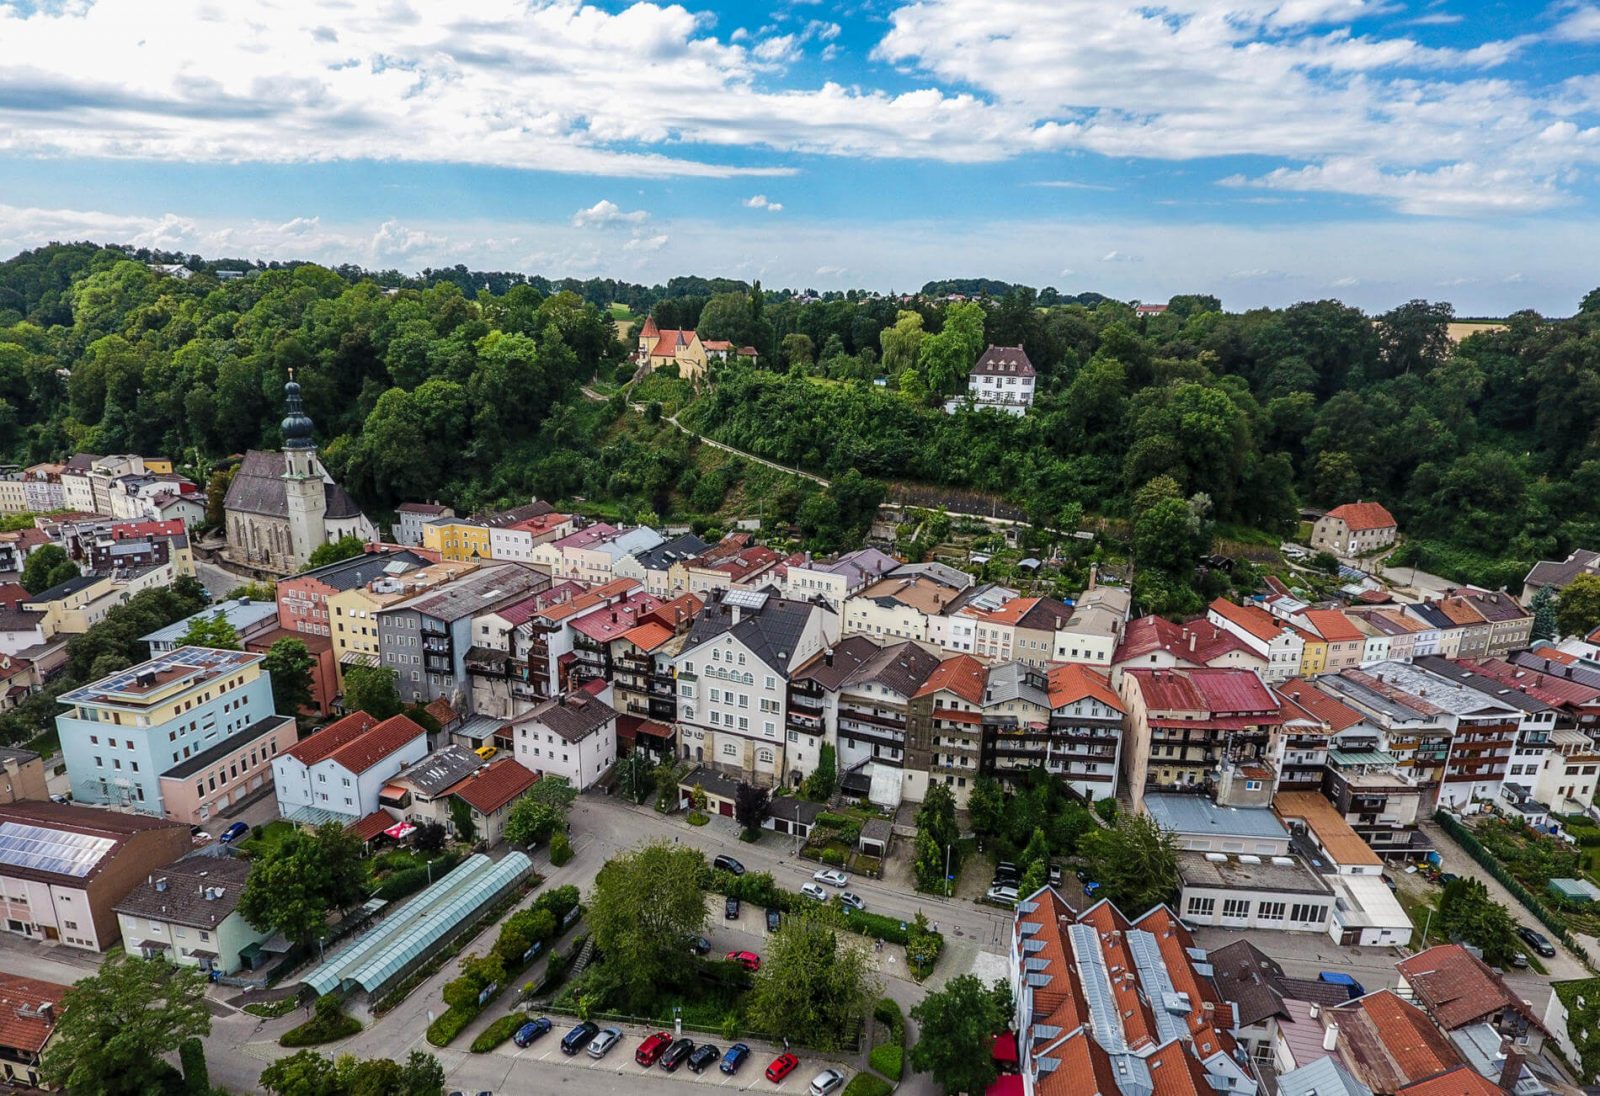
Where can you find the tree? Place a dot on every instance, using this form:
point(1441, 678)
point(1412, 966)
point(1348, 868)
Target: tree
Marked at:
point(461, 820)
point(797, 351)
point(636, 776)
point(1035, 862)
point(936, 837)
point(478, 973)
point(333, 551)
point(818, 787)
point(1135, 862)
point(289, 662)
point(751, 807)
point(812, 986)
point(293, 885)
point(1578, 610)
point(531, 822)
point(371, 689)
point(47, 566)
point(117, 1025)
point(986, 805)
point(1543, 607)
point(1467, 913)
point(430, 837)
point(645, 903)
point(212, 630)
point(956, 1027)
point(1168, 536)
point(311, 1074)
point(306, 1073)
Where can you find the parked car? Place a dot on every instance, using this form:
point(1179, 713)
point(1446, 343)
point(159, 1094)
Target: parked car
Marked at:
point(730, 909)
point(1006, 870)
point(781, 1067)
point(652, 1048)
point(1390, 883)
point(1055, 874)
point(1538, 941)
point(831, 877)
point(749, 960)
point(200, 837)
point(774, 919)
point(1519, 960)
point(827, 1082)
point(1090, 887)
point(728, 864)
point(603, 1042)
point(735, 1057)
point(578, 1038)
point(852, 900)
point(814, 891)
point(703, 1055)
point(674, 1055)
point(1004, 893)
point(1351, 987)
point(234, 832)
point(530, 1031)
point(1446, 878)
point(700, 945)
point(486, 752)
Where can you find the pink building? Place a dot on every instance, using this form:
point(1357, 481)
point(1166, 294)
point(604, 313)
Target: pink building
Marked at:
point(196, 790)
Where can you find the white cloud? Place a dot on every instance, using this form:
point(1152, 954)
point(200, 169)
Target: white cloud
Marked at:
point(607, 214)
point(760, 201)
point(1459, 189)
point(646, 243)
point(1581, 24)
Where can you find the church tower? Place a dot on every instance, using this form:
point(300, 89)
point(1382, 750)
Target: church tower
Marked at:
point(302, 479)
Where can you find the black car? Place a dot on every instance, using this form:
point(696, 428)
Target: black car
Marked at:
point(728, 864)
point(699, 945)
point(730, 909)
point(675, 1054)
point(1006, 872)
point(703, 1056)
point(578, 1038)
point(774, 919)
point(1537, 941)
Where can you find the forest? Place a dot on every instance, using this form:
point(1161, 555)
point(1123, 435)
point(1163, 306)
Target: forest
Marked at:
point(464, 386)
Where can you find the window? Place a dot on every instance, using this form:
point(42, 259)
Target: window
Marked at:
point(1252, 785)
point(1307, 911)
point(764, 756)
point(1236, 907)
point(1271, 911)
point(729, 750)
point(1202, 907)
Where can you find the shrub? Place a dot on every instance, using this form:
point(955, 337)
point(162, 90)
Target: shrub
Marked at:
point(834, 856)
point(877, 926)
point(328, 1022)
point(404, 883)
point(449, 1025)
point(696, 818)
point(271, 1010)
point(498, 1032)
point(867, 1084)
point(888, 1059)
point(560, 849)
point(887, 1012)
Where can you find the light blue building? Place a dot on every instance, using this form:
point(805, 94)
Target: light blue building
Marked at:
point(248, 618)
point(200, 717)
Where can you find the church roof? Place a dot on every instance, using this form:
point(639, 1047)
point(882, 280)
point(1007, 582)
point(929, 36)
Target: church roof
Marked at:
point(258, 488)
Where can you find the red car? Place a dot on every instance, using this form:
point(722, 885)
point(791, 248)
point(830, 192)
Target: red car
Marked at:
point(749, 960)
point(652, 1048)
point(781, 1067)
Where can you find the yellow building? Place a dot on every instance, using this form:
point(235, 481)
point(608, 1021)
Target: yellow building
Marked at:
point(1314, 656)
point(664, 346)
point(353, 613)
point(457, 538)
point(158, 466)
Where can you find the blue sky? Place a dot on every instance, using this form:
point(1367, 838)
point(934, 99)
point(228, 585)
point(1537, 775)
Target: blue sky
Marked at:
point(1263, 150)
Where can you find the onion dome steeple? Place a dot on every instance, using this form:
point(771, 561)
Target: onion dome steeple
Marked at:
point(296, 424)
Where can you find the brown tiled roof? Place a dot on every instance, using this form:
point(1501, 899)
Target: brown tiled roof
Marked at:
point(372, 747)
point(1363, 515)
point(1333, 833)
point(1458, 989)
point(1461, 1081)
point(1076, 682)
point(369, 827)
point(1318, 704)
point(962, 675)
point(184, 902)
point(1333, 626)
point(308, 751)
point(27, 1033)
point(1258, 622)
point(440, 709)
point(1390, 1044)
point(573, 717)
point(495, 785)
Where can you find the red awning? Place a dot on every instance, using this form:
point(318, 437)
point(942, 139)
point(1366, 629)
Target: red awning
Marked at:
point(1007, 1084)
point(1004, 1050)
point(400, 830)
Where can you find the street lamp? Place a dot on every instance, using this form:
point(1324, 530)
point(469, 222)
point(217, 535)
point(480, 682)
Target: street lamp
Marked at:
point(947, 871)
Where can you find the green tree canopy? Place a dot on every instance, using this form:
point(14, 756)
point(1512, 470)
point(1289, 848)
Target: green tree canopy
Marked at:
point(333, 551)
point(45, 567)
point(814, 985)
point(119, 1023)
point(645, 904)
point(293, 885)
point(1135, 862)
point(956, 1030)
point(290, 664)
point(211, 630)
point(371, 689)
point(1578, 608)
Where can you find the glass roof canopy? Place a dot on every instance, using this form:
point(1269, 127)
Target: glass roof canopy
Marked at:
point(59, 851)
point(411, 931)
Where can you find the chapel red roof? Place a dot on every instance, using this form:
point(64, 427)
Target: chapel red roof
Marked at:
point(1363, 515)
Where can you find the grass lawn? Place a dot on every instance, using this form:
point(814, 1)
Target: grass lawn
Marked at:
point(271, 836)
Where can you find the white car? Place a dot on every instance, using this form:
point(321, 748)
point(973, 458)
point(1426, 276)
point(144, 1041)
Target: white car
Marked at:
point(608, 1038)
point(852, 899)
point(827, 1082)
point(1003, 894)
point(831, 877)
point(811, 890)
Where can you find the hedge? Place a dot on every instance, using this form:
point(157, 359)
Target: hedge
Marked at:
point(560, 849)
point(449, 1025)
point(887, 1012)
point(408, 881)
point(888, 1060)
point(498, 1032)
point(867, 1084)
point(1466, 839)
point(877, 926)
point(328, 1023)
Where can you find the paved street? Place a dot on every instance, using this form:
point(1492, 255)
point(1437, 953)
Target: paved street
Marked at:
point(216, 580)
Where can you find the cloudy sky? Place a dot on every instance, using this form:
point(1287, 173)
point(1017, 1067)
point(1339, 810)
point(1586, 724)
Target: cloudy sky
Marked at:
point(1263, 150)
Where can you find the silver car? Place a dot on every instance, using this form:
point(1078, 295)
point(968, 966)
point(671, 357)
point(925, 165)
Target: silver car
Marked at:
point(811, 890)
point(604, 1041)
point(831, 877)
point(827, 1082)
point(852, 900)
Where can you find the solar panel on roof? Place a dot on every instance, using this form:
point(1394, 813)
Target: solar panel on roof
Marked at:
point(744, 599)
point(59, 851)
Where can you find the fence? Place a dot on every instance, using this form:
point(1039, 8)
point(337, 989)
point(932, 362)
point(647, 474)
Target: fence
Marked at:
point(1468, 841)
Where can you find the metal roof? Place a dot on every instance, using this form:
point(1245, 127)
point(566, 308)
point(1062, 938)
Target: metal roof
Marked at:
point(414, 929)
point(1321, 1077)
point(1197, 814)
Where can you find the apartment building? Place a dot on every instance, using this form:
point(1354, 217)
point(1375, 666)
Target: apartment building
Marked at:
point(944, 724)
point(1184, 726)
point(1282, 645)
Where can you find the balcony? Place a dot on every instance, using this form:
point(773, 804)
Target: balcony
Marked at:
point(804, 700)
point(876, 717)
point(811, 724)
point(436, 644)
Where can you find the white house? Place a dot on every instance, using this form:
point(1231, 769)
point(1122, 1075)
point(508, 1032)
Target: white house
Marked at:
point(1003, 379)
point(573, 736)
point(339, 772)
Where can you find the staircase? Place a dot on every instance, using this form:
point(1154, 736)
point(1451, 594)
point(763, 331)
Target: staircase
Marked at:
point(583, 958)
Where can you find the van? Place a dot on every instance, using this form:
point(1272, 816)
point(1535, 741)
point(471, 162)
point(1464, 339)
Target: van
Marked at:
point(486, 752)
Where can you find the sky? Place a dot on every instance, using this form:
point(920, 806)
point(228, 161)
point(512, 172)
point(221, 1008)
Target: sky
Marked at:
point(1266, 151)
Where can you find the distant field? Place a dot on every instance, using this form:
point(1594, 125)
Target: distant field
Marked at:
point(621, 312)
point(1461, 329)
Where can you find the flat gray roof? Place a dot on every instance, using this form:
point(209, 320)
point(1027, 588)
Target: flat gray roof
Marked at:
point(1296, 878)
point(1197, 814)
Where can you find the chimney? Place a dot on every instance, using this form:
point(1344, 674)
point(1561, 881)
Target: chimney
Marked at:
point(161, 884)
point(1512, 1069)
point(1330, 1037)
point(1191, 642)
point(827, 657)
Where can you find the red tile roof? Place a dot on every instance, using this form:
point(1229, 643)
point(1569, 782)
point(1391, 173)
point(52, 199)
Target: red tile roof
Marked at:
point(1458, 989)
point(372, 747)
point(607, 623)
point(495, 785)
point(27, 1033)
point(1363, 515)
point(368, 828)
point(648, 636)
point(1333, 626)
point(308, 751)
point(1199, 642)
point(1389, 1043)
point(1076, 682)
point(1318, 704)
point(440, 709)
point(962, 675)
point(1258, 622)
point(1461, 1081)
point(1227, 690)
